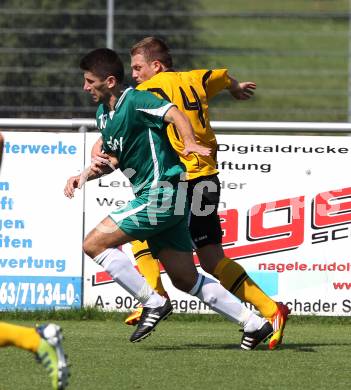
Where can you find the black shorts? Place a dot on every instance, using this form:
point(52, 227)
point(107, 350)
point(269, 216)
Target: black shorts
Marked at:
point(205, 226)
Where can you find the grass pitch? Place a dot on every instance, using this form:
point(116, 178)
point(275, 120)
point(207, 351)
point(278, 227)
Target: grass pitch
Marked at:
point(190, 353)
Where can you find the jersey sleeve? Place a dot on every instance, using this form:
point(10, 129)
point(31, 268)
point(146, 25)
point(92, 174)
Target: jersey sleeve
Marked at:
point(214, 81)
point(151, 108)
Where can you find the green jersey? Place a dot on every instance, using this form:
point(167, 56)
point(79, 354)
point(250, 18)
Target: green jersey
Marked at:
point(135, 132)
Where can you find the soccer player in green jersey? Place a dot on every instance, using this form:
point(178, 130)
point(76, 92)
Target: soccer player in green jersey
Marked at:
point(132, 124)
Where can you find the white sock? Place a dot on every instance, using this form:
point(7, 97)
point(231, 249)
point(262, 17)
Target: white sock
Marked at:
point(254, 323)
point(221, 301)
point(121, 269)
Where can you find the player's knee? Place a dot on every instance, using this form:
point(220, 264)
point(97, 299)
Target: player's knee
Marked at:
point(207, 267)
point(183, 284)
point(89, 248)
point(209, 257)
point(86, 248)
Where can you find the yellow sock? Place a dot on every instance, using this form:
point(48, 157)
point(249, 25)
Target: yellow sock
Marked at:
point(19, 336)
point(148, 266)
point(235, 279)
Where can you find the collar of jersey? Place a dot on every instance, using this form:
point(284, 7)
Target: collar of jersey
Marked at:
point(121, 98)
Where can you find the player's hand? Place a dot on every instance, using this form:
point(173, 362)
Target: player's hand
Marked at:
point(244, 90)
point(102, 166)
point(196, 148)
point(71, 185)
point(99, 161)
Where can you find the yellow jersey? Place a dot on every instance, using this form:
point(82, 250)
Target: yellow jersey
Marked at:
point(190, 92)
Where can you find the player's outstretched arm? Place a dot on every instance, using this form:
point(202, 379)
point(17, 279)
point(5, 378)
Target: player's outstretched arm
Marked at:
point(241, 91)
point(71, 185)
point(89, 174)
point(183, 125)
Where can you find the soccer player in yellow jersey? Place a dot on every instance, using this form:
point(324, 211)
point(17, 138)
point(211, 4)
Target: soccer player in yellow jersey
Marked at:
point(151, 64)
point(44, 341)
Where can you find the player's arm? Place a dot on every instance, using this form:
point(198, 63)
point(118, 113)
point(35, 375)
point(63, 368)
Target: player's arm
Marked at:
point(99, 159)
point(217, 80)
point(185, 129)
point(1, 147)
point(110, 165)
point(97, 147)
point(88, 174)
point(241, 91)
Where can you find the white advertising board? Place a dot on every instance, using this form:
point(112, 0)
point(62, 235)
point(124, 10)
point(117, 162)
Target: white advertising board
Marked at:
point(286, 215)
point(40, 229)
point(290, 221)
point(285, 210)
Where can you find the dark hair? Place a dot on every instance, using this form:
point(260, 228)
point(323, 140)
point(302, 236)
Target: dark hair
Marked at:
point(153, 49)
point(103, 63)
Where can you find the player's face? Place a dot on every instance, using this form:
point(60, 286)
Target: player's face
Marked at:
point(97, 88)
point(142, 70)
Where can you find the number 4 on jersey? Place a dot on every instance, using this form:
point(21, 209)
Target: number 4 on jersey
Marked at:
point(195, 105)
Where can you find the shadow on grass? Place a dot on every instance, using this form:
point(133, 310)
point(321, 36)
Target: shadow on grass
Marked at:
point(263, 347)
point(309, 347)
point(193, 346)
point(200, 346)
